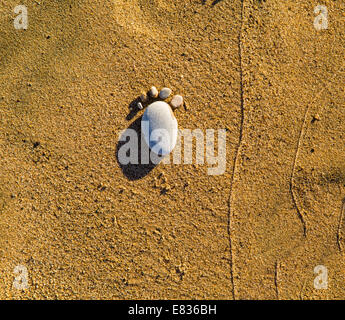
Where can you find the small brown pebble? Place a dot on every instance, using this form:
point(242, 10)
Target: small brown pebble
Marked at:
point(316, 117)
point(143, 97)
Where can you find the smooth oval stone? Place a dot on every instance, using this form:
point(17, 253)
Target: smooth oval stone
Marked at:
point(165, 93)
point(177, 101)
point(153, 92)
point(159, 127)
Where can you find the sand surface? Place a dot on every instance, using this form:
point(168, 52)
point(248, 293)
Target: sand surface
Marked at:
point(87, 228)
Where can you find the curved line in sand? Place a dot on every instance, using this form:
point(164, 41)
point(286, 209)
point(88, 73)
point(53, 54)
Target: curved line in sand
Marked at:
point(300, 139)
point(240, 50)
point(342, 213)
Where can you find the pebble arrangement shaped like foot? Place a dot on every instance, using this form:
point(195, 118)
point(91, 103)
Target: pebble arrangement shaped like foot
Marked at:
point(158, 124)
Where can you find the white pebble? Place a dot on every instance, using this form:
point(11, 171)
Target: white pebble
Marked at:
point(153, 92)
point(140, 106)
point(159, 127)
point(165, 93)
point(177, 101)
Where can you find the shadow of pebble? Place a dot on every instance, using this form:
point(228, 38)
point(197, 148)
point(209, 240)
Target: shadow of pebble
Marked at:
point(135, 171)
point(215, 2)
point(133, 109)
point(334, 176)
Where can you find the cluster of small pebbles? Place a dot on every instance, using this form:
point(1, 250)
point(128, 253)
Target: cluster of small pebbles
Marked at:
point(163, 94)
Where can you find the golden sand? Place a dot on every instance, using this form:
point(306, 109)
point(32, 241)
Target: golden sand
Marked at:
point(85, 228)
